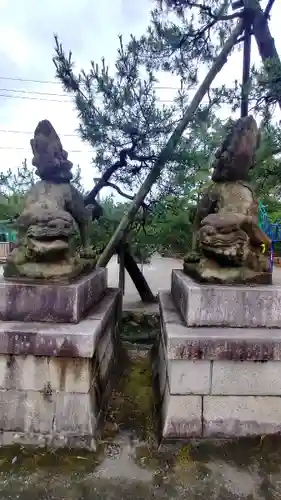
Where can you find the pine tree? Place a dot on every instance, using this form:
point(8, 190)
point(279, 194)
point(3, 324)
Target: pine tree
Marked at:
point(183, 43)
point(129, 123)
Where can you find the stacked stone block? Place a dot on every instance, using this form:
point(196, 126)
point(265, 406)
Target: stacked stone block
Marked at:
point(219, 360)
point(58, 349)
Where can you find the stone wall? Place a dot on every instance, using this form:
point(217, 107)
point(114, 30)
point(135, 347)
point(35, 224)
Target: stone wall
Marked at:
point(217, 382)
point(55, 378)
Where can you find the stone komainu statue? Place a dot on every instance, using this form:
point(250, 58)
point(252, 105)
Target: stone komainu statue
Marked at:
point(53, 229)
point(229, 242)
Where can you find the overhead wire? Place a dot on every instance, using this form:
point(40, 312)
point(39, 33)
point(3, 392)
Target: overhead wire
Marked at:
point(53, 82)
point(12, 148)
point(32, 95)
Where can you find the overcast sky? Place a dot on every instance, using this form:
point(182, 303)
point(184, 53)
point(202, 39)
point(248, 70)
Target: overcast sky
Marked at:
point(90, 29)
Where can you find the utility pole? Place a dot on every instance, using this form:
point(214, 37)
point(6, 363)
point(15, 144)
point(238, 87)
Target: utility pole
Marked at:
point(97, 179)
point(246, 54)
point(256, 24)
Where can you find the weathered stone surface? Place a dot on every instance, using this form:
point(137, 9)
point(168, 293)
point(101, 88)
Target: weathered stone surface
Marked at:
point(168, 311)
point(189, 377)
point(73, 441)
point(24, 372)
point(12, 410)
point(70, 374)
point(74, 415)
point(246, 378)
point(228, 306)
point(183, 376)
point(37, 440)
point(244, 397)
point(39, 411)
point(106, 361)
point(161, 364)
point(237, 416)
point(105, 342)
point(51, 302)
point(230, 246)
point(234, 344)
point(54, 223)
point(257, 344)
point(55, 378)
point(182, 416)
point(57, 339)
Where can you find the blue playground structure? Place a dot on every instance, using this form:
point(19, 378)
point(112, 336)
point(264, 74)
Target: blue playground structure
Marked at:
point(271, 229)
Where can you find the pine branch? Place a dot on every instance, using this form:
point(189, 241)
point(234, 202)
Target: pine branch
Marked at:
point(125, 195)
point(169, 148)
point(217, 17)
point(122, 162)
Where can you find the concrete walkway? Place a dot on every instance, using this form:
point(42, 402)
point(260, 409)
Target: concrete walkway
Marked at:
point(158, 276)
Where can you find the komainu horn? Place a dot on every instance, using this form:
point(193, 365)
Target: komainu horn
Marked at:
point(229, 242)
point(53, 228)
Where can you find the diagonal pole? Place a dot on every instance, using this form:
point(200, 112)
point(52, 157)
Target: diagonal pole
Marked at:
point(248, 19)
point(246, 68)
point(169, 148)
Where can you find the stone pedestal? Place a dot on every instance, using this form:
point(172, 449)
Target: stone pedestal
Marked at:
point(218, 365)
point(51, 301)
point(228, 306)
point(55, 378)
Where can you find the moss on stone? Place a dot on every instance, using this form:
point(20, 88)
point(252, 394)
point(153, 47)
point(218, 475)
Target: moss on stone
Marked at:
point(131, 405)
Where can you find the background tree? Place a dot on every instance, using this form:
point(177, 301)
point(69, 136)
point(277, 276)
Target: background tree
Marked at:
point(72, 82)
point(119, 113)
point(185, 35)
point(14, 184)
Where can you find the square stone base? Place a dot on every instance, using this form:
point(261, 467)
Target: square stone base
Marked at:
point(228, 306)
point(55, 379)
point(51, 302)
point(216, 382)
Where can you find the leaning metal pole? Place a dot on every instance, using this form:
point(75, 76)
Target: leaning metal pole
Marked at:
point(246, 69)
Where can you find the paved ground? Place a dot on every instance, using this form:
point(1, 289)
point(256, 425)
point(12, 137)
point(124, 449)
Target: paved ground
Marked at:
point(158, 276)
point(157, 273)
point(223, 472)
point(127, 468)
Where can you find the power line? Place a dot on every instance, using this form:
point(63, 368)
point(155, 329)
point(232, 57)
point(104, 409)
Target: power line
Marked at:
point(25, 132)
point(57, 100)
point(20, 91)
point(27, 149)
point(31, 133)
point(12, 148)
point(50, 82)
point(16, 79)
point(33, 98)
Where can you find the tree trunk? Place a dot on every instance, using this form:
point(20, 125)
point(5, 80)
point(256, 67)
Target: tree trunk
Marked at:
point(136, 275)
point(129, 263)
point(168, 150)
point(267, 48)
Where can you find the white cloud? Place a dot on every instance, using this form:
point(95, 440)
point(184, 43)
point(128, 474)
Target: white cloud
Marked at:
point(90, 29)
